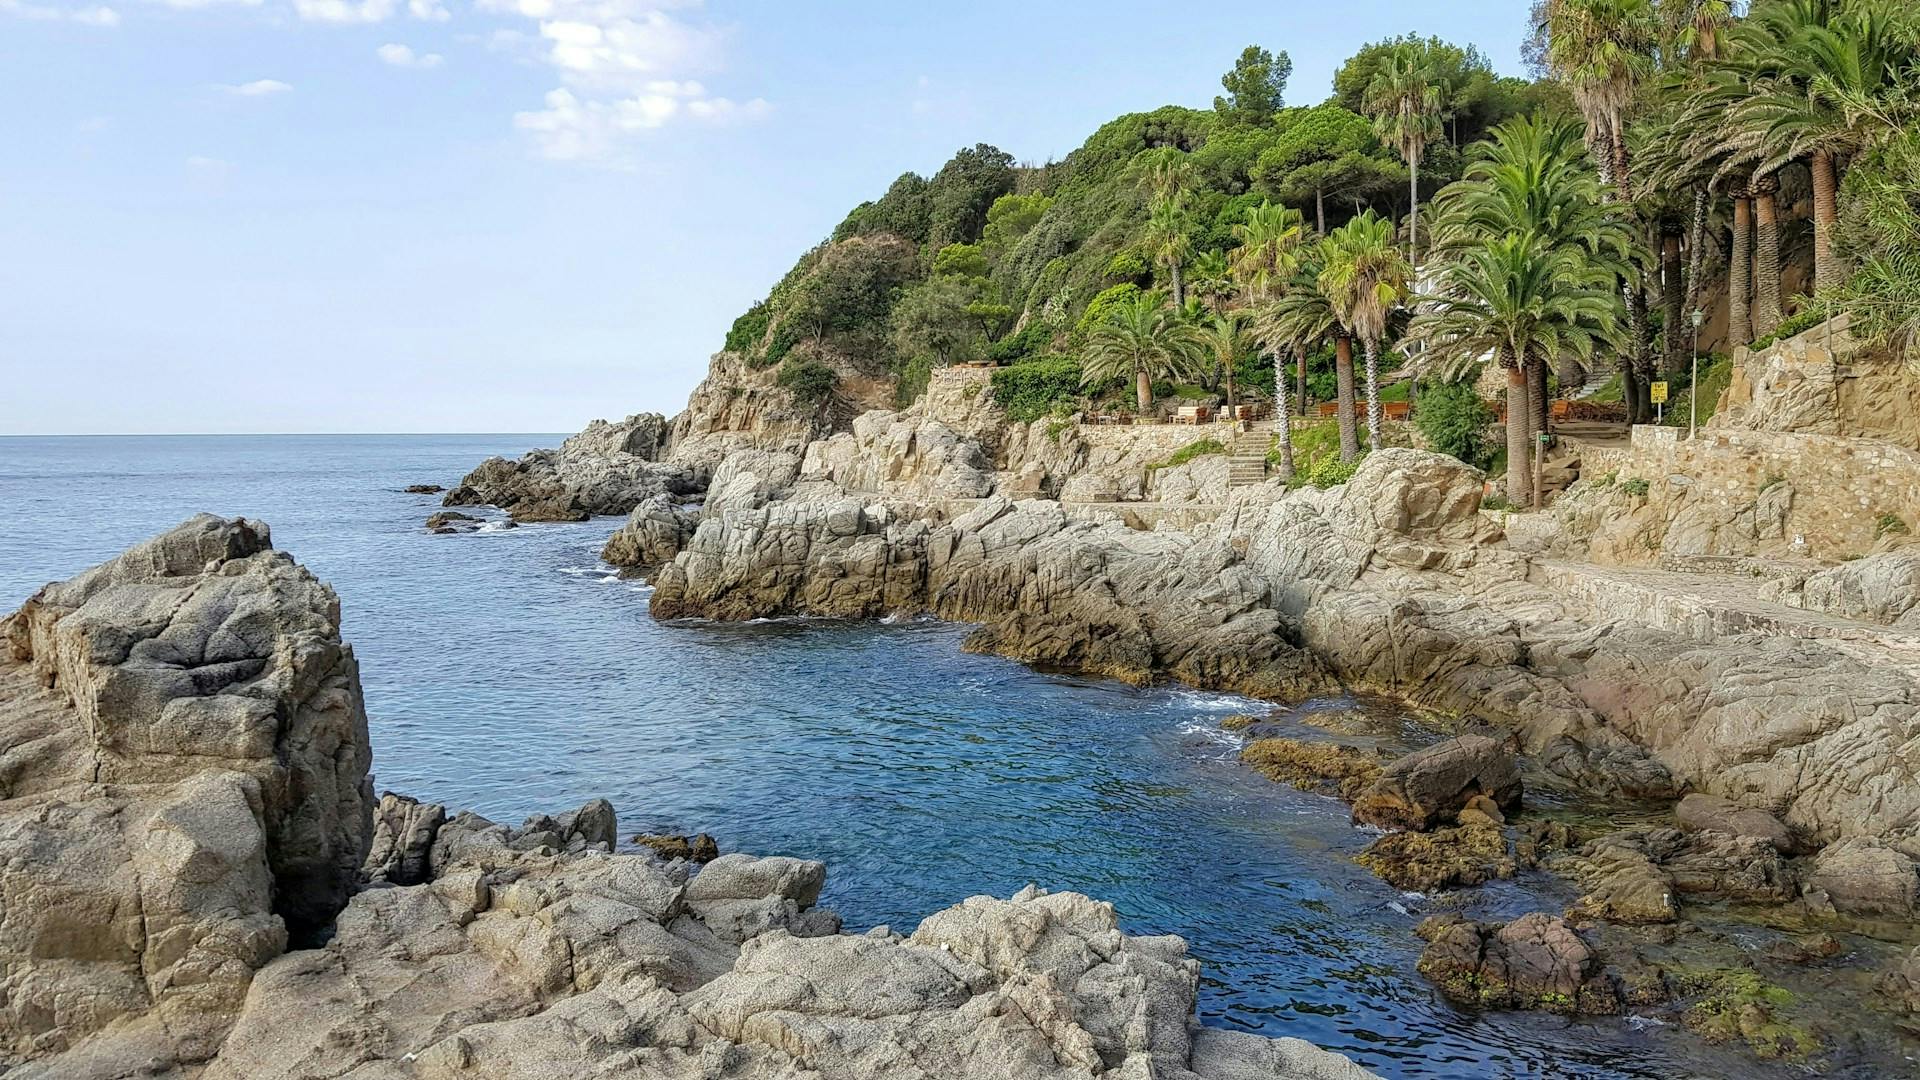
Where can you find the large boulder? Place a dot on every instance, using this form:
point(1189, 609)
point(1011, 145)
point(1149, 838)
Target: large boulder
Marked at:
point(183, 788)
point(1536, 961)
point(1864, 876)
point(1433, 784)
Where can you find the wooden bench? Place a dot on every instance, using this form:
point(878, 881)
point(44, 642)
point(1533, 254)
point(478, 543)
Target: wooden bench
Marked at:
point(1192, 414)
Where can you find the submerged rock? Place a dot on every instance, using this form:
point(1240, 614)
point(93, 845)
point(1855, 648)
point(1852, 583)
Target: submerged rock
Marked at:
point(446, 522)
point(423, 489)
point(1313, 766)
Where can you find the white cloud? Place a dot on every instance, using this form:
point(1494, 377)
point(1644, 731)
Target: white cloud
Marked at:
point(191, 4)
point(428, 10)
point(403, 57)
point(258, 88)
point(85, 15)
point(345, 11)
point(574, 129)
point(625, 67)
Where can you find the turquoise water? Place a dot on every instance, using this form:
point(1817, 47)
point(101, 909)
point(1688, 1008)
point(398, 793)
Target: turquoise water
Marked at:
point(510, 672)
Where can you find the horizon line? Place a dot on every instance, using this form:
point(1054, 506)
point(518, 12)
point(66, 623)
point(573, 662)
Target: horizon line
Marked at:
point(241, 434)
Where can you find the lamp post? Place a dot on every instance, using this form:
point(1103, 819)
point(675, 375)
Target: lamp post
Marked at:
point(1693, 387)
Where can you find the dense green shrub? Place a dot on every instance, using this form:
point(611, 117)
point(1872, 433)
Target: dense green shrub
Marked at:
point(1128, 266)
point(1104, 304)
point(1032, 339)
point(1330, 471)
point(1636, 486)
point(1029, 391)
point(810, 381)
point(749, 329)
point(1454, 421)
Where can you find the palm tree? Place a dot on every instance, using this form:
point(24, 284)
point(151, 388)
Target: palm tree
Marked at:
point(1300, 315)
point(1822, 80)
point(1145, 339)
point(1365, 277)
point(1169, 236)
point(1406, 105)
point(1267, 256)
point(1269, 241)
point(1213, 280)
point(1521, 301)
point(1603, 51)
point(1225, 337)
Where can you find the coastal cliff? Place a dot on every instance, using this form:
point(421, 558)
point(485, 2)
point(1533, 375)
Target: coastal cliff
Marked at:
point(199, 883)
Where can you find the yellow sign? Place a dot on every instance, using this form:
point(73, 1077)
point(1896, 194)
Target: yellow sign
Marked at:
point(1659, 393)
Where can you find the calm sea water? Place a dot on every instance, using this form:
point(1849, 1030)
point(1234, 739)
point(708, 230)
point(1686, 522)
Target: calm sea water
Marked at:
point(510, 672)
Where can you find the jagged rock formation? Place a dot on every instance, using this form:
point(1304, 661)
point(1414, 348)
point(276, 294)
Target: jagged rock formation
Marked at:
point(605, 469)
point(183, 794)
point(183, 786)
point(1536, 961)
point(900, 456)
point(1393, 583)
point(1095, 597)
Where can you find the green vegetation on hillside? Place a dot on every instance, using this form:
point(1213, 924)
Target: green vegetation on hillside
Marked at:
point(1573, 221)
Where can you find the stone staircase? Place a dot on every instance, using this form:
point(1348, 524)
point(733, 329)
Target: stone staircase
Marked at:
point(1247, 456)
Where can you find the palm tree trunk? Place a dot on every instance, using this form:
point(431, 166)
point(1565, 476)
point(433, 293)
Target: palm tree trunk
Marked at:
point(1621, 176)
point(1320, 211)
point(1826, 267)
point(1642, 353)
point(1179, 288)
point(1373, 394)
point(1541, 422)
point(1283, 427)
point(1671, 301)
point(1142, 390)
point(1696, 245)
point(1300, 378)
point(1766, 263)
point(1231, 414)
point(1740, 274)
point(1343, 381)
point(1413, 215)
point(1518, 484)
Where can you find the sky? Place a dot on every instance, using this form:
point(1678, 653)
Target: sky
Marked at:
point(515, 215)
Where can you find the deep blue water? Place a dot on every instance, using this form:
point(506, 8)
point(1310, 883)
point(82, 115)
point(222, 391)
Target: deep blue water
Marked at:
point(509, 672)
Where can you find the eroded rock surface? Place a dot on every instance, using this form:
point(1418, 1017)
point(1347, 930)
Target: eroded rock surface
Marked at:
point(183, 786)
point(609, 468)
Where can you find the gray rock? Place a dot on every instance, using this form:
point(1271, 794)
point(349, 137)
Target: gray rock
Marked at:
point(1865, 876)
point(403, 833)
point(183, 783)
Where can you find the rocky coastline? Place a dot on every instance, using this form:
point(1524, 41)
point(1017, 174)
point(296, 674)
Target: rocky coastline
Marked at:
point(1783, 761)
point(187, 718)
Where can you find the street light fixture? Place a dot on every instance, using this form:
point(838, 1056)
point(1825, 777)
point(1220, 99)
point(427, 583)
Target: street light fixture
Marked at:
point(1693, 388)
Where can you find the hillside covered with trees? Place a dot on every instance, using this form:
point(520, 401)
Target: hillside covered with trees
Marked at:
point(1668, 156)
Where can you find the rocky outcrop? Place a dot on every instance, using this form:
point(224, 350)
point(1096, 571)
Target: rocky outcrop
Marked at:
point(1433, 784)
point(183, 789)
point(1094, 597)
point(901, 456)
point(1882, 588)
point(1864, 876)
point(737, 407)
point(1700, 812)
point(606, 469)
point(655, 532)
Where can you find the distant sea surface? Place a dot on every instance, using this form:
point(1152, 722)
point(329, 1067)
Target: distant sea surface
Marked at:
point(510, 672)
